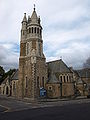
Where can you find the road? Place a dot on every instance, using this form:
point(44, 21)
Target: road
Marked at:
point(67, 112)
point(62, 110)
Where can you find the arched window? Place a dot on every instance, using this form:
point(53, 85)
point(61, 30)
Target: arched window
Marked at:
point(32, 29)
point(64, 79)
point(40, 31)
point(7, 90)
point(26, 82)
point(67, 79)
point(61, 79)
point(43, 82)
point(35, 30)
point(29, 30)
point(38, 82)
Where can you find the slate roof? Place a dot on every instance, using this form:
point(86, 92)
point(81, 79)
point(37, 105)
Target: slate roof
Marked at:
point(76, 73)
point(7, 78)
point(54, 70)
point(84, 73)
point(15, 75)
point(53, 78)
point(58, 66)
point(79, 81)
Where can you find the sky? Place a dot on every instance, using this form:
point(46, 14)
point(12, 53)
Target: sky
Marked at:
point(66, 30)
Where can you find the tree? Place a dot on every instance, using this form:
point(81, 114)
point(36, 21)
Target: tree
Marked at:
point(87, 63)
point(8, 73)
point(2, 71)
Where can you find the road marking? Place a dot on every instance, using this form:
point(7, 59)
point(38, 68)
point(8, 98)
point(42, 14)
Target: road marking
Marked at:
point(5, 108)
point(16, 110)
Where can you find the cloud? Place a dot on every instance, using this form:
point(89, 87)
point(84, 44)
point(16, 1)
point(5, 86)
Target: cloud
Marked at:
point(8, 58)
point(66, 26)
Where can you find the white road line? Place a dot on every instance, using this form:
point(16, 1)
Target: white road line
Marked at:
point(5, 108)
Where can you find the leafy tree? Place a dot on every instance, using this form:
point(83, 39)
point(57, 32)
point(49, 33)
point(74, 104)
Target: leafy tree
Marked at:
point(8, 73)
point(2, 71)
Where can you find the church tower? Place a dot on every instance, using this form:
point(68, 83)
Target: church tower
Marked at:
point(32, 62)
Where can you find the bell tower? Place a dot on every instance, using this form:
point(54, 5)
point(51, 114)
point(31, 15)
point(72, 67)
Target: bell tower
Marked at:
point(32, 62)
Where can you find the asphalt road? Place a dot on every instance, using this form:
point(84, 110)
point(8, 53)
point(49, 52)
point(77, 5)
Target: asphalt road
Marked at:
point(66, 112)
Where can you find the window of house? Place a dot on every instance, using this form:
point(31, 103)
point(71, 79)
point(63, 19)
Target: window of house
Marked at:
point(43, 82)
point(61, 79)
point(32, 29)
point(29, 30)
point(26, 82)
point(38, 82)
point(35, 29)
point(64, 79)
point(67, 78)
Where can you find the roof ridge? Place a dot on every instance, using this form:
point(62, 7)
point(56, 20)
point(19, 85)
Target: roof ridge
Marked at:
point(54, 61)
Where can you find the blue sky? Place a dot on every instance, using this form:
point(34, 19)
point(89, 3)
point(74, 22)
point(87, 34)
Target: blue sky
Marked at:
point(66, 30)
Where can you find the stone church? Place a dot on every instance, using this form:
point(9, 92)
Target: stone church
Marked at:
point(33, 69)
point(34, 72)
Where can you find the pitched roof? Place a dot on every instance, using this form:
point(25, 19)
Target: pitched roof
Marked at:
point(54, 70)
point(79, 81)
point(8, 78)
point(15, 75)
point(5, 80)
point(58, 66)
point(34, 18)
point(76, 73)
point(53, 78)
point(84, 73)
